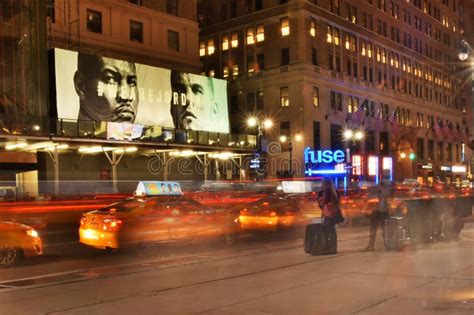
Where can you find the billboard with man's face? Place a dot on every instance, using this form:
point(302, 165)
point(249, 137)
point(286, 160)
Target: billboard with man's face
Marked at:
point(96, 88)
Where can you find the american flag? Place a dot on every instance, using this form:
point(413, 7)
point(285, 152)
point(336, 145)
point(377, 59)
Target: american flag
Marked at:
point(357, 117)
point(437, 128)
point(378, 118)
point(465, 135)
point(392, 118)
point(446, 130)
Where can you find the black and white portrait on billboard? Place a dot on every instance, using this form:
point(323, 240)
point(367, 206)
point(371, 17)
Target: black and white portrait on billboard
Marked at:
point(107, 89)
point(193, 105)
point(102, 89)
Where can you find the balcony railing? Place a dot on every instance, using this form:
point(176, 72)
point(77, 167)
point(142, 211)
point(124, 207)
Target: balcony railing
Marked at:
point(81, 129)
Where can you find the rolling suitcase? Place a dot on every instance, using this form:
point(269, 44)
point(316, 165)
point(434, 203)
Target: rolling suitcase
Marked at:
point(394, 233)
point(320, 239)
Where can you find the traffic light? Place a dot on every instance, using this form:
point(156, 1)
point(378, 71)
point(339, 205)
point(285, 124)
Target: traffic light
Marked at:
point(412, 156)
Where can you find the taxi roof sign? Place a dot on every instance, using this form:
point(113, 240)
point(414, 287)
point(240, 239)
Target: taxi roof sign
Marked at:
point(296, 187)
point(158, 188)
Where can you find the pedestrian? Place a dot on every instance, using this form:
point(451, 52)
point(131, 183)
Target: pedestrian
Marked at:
point(329, 202)
point(380, 213)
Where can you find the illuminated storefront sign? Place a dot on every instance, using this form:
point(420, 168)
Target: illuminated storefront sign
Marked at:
point(356, 165)
point(324, 162)
point(428, 166)
point(445, 168)
point(458, 169)
point(373, 166)
point(387, 167)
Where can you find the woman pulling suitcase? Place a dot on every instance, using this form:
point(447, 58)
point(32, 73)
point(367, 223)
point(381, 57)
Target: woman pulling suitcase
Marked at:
point(321, 238)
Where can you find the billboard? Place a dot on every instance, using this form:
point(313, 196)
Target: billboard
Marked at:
point(97, 88)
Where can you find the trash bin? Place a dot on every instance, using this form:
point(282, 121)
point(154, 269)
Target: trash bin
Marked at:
point(449, 217)
point(463, 206)
point(421, 220)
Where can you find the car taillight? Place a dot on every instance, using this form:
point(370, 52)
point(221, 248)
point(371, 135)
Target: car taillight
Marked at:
point(111, 224)
point(273, 213)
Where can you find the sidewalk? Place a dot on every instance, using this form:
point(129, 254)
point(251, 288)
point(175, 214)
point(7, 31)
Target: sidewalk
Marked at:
point(437, 278)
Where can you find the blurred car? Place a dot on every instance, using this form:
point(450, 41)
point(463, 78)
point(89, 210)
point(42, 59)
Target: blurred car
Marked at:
point(155, 217)
point(18, 241)
point(279, 211)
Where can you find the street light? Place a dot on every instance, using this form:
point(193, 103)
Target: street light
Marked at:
point(464, 50)
point(253, 122)
point(359, 135)
point(298, 137)
point(267, 123)
point(348, 134)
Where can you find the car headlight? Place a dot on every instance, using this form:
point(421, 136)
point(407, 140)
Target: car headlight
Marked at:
point(32, 233)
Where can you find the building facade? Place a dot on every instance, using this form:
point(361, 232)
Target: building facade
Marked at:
point(311, 65)
point(51, 53)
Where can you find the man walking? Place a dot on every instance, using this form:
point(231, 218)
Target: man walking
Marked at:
point(380, 214)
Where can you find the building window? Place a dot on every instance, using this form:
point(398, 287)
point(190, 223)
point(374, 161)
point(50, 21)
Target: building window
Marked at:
point(234, 40)
point(314, 56)
point(260, 105)
point(316, 135)
point(285, 56)
point(250, 64)
point(369, 50)
point(260, 62)
point(212, 73)
point(225, 42)
point(235, 70)
point(94, 21)
point(210, 46)
point(136, 31)
point(329, 34)
point(331, 61)
point(285, 26)
point(338, 64)
point(251, 102)
point(258, 5)
point(250, 36)
point(285, 128)
point(347, 42)
point(202, 48)
point(312, 28)
point(172, 7)
point(315, 96)
point(336, 36)
point(336, 101)
point(173, 40)
point(234, 104)
point(50, 10)
point(284, 97)
point(225, 72)
point(137, 2)
point(260, 33)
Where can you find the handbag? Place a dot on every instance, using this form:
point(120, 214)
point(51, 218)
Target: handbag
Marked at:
point(339, 218)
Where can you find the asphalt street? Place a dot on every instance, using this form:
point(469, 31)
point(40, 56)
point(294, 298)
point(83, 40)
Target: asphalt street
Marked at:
point(262, 274)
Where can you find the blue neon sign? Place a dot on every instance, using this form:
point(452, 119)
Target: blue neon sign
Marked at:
point(324, 162)
point(326, 156)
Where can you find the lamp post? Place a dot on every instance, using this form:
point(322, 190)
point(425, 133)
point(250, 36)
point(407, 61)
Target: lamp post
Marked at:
point(265, 124)
point(354, 137)
point(298, 137)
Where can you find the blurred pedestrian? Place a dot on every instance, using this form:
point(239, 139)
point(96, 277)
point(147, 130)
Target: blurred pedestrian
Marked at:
point(380, 213)
point(329, 202)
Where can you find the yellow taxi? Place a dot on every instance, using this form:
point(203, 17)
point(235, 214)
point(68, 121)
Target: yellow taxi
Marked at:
point(158, 213)
point(18, 241)
point(279, 211)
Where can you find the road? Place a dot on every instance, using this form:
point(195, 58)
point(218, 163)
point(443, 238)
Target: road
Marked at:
point(262, 274)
